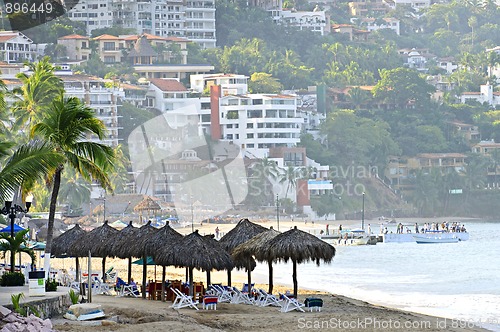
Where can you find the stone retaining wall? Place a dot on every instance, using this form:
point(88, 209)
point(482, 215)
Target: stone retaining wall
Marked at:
point(48, 307)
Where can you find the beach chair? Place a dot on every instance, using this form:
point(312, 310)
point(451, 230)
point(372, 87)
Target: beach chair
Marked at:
point(240, 297)
point(224, 294)
point(313, 303)
point(210, 302)
point(264, 299)
point(183, 300)
point(290, 304)
point(128, 290)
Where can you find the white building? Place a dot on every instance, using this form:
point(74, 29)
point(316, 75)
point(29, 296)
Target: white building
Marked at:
point(317, 20)
point(485, 95)
point(15, 47)
point(230, 83)
point(372, 24)
point(192, 19)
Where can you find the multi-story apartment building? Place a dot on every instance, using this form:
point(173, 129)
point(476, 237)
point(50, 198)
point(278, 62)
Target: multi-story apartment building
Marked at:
point(90, 90)
point(95, 14)
point(15, 47)
point(77, 47)
point(191, 19)
point(317, 20)
point(102, 99)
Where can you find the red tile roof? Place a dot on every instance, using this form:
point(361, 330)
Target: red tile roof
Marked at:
point(106, 37)
point(73, 36)
point(168, 84)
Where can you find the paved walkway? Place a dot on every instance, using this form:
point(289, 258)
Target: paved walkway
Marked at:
point(6, 292)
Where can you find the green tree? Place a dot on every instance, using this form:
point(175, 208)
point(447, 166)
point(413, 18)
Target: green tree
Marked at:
point(403, 87)
point(264, 83)
point(16, 244)
point(37, 91)
point(290, 176)
point(65, 127)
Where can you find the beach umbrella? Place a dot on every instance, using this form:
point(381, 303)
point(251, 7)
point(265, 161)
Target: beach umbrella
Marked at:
point(242, 232)
point(7, 229)
point(98, 242)
point(299, 247)
point(63, 244)
point(159, 241)
point(195, 252)
point(256, 247)
point(120, 246)
point(138, 248)
point(149, 261)
point(148, 205)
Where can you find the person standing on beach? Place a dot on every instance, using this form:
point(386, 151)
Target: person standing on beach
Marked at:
point(369, 229)
point(217, 232)
point(340, 229)
point(416, 227)
point(327, 230)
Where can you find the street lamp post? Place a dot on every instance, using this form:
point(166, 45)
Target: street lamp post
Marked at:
point(363, 213)
point(10, 210)
point(278, 212)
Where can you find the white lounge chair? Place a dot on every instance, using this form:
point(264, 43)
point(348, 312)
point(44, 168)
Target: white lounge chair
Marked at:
point(183, 300)
point(222, 293)
point(128, 290)
point(266, 299)
point(239, 297)
point(290, 304)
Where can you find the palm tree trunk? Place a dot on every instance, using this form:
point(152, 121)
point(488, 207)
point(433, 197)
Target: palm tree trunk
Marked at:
point(294, 276)
point(270, 265)
point(50, 223)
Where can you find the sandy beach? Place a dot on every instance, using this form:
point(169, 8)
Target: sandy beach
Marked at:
point(339, 312)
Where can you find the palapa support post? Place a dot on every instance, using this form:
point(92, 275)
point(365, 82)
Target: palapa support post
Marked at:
point(270, 265)
point(77, 269)
point(89, 281)
point(129, 273)
point(209, 279)
point(163, 277)
point(249, 278)
point(294, 276)
point(229, 278)
point(191, 283)
point(104, 269)
point(144, 274)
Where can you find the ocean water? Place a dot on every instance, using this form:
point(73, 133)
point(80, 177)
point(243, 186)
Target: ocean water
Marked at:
point(454, 280)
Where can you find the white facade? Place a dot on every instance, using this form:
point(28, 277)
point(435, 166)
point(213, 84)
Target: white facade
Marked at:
point(257, 122)
point(192, 19)
point(372, 24)
point(230, 83)
point(95, 14)
point(486, 95)
point(103, 100)
point(15, 47)
point(316, 21)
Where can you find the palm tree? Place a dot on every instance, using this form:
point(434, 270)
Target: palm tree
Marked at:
point(65, 126)
point(16, 244)
point(37, 92)
point(260, 174)
point(290, 175)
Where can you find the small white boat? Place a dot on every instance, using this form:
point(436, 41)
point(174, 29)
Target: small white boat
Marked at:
point(435, 238)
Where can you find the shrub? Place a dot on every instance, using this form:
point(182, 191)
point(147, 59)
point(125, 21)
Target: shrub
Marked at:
point(12, 279)
point(74, 296)
point(51, 285)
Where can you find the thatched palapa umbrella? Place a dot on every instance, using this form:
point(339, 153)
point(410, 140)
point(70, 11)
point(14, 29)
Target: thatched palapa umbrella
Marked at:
point(241, 233)
point(147, 204)
point(257, 247)
point(120, 246)
point(195, 252)
point(138, 248)
point(62, 245)
point(162, 240)
point(298, 246)
point(98, 241)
